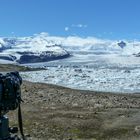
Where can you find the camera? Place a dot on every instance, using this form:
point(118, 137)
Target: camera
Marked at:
point(10, 99)
point(10, 91)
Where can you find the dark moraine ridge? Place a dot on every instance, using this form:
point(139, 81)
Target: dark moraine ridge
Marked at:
point(43, 57)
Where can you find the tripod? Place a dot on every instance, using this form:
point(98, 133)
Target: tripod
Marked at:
point(6, 132)
point(9, 133)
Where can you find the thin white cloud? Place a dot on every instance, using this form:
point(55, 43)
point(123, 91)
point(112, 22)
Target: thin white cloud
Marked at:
point(110, 33)
point(66, 29)
point(76, 43)
point(42, 34)
point(79, 25)
point(82, 26)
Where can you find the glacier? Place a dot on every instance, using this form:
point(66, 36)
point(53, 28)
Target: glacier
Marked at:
point(96, 79)
point(52, 47)
point(82, 63)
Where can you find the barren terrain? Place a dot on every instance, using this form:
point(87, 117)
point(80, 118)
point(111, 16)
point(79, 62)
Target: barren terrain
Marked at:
point(58, 113)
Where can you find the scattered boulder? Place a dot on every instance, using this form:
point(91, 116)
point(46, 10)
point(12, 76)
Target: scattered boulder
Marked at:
point(137, 129)
point(127, 71)
point(78, 70)
point(137, 55)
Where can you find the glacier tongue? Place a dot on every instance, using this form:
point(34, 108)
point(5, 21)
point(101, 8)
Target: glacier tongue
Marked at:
point(95, 64)
point(97, 79)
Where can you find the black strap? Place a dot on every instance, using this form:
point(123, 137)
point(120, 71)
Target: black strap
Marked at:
point(20, 122)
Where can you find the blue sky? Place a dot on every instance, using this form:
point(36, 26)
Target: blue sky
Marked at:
point(111, 19)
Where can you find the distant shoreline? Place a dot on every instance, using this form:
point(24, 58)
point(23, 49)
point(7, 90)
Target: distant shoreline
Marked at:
point(16, 67)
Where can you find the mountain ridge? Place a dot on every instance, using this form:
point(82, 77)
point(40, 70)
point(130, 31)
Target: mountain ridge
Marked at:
point(42, 47)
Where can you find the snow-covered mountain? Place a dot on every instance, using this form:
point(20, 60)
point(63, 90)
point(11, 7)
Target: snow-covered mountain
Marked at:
point(95, 64)
point(42, 47)
point(30, 49)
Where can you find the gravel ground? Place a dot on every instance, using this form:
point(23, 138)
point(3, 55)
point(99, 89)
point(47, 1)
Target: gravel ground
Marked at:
point(52, 112)
point(58, 113)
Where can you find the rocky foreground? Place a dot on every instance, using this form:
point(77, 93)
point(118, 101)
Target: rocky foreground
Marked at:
point(56, 113)
point(52, 112)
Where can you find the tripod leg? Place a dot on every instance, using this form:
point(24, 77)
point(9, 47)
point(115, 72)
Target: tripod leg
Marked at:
point(15, 138)
point(4, 128)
